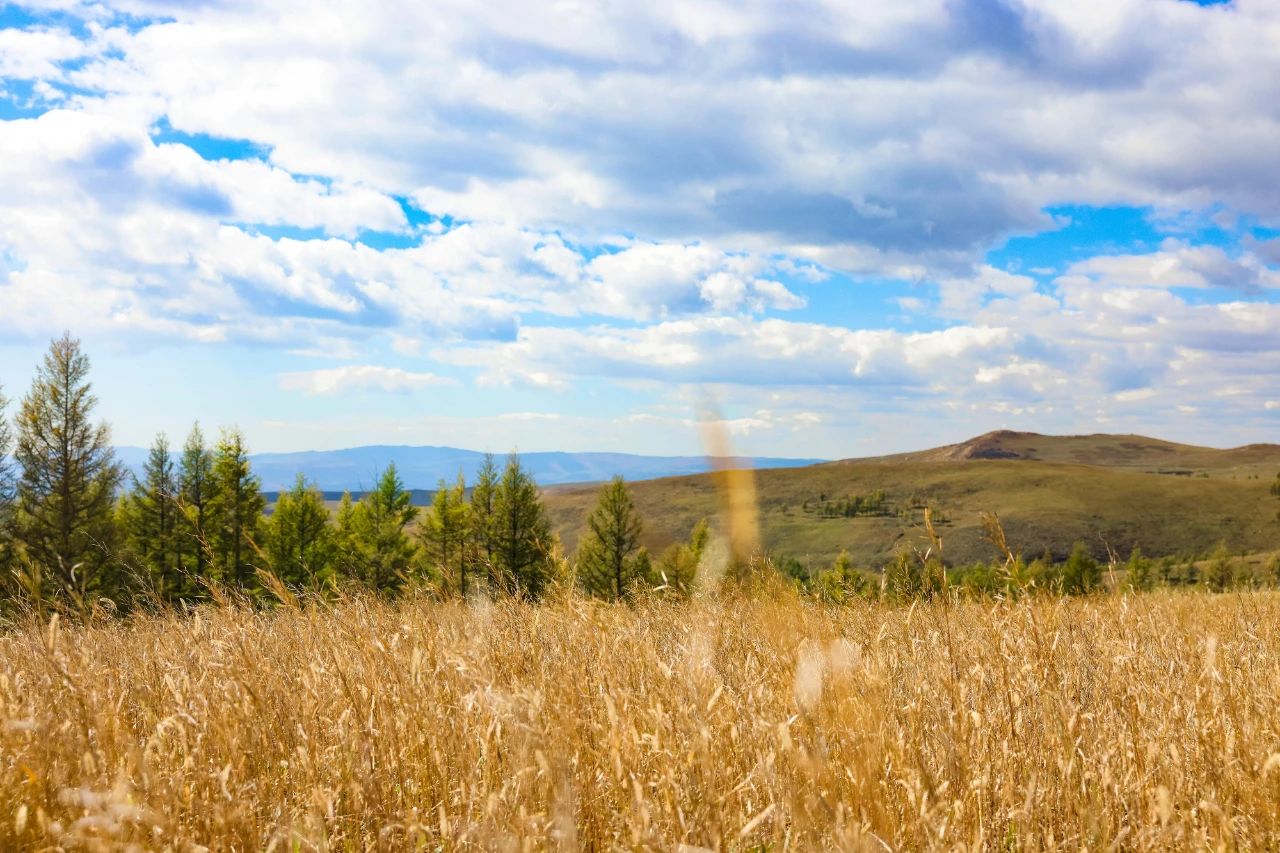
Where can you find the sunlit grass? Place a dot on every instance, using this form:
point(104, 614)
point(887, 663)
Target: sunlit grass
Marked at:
point(1145, 722)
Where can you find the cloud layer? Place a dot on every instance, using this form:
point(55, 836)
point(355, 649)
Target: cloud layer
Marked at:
point(664, 193)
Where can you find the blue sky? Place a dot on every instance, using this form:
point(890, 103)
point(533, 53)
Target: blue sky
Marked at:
point(854, 228)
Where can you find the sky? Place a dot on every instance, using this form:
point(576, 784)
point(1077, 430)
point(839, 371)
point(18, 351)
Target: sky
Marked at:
point(844, 228)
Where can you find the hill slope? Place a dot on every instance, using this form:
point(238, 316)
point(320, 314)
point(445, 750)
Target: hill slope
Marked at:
point(1104, 450)
point(1043, 500)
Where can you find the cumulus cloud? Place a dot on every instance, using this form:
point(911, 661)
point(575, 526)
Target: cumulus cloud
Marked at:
point(640, 192)
point(358, 377)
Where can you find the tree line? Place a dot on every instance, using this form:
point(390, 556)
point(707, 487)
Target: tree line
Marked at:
point(76, 527)
point(194, 524)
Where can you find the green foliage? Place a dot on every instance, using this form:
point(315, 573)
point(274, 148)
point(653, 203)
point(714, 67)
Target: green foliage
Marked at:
point(841, 582)
point(1081, 573)
point(66, 491)
point(1140, 572)
point(446, 536)
point(149, 517)
point(851, 506)
point(607, 565)
point(196, 491)
point(374, 534)
point(1271, 572)
point(1221, 574)
point(8, 486)
point(483, 524)
point(677, 569)
point(521, 534)
point(910, 577)
point(234, 513)
point(300, 543)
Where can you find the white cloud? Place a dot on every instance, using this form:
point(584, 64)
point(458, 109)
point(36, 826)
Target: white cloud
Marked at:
point(362, 377)
point(1178, 264)
point(676, 173)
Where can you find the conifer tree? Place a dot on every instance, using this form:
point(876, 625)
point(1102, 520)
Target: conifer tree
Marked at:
point(7, 482)
point(677, 568)
point(66, 491)
point(607, 563)
point(236, 510)
point(380, 552)
point(1080, 573)
point(300, 544)
point(522, 534)
point(481, 528)
point(195, 496)
point(150, 514)
point(344, 536)
point(445, 534)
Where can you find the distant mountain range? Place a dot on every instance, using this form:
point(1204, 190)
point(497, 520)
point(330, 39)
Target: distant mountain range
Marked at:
point(422, 468)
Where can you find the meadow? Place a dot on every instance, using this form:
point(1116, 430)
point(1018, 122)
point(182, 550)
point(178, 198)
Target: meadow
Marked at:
point(770, 722)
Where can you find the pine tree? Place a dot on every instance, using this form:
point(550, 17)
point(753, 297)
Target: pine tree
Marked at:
point(300, 544)
point(149, 517)
point(677, 569)
point(235, 509)
point(482, 532)
point(195, 496)
point(66, 491)
point(344, 536)
point(606, 557)
point(1080, 573)
point(1140, 571)
point(8, 484)
point(522, 534)
point(445, 535)
point(380, 552)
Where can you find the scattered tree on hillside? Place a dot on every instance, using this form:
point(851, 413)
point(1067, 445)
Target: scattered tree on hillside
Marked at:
point(299, 539)
point(66, 491)
point(609, 557)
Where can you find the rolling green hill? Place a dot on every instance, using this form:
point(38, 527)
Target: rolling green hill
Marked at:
point(1049, 491)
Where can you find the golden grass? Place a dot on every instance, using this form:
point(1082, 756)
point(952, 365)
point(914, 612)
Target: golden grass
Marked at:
point(1148, 722)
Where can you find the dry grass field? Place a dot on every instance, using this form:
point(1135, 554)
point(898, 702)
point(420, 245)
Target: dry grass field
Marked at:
point(1134, 723)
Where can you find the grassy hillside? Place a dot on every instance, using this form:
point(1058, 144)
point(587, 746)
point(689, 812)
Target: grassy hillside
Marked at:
point(1117, 500)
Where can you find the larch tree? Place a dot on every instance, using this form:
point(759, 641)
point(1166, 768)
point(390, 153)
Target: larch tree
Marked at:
point(482, 556)
point(445, 536)
point(195, 496)
point(299, 540)
point(677, 568)
point(7, 483)
point(381, 553)
point(236, 508)
point(607, 564)
point(522, 533)
point(150, 516)
point(69, 475)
